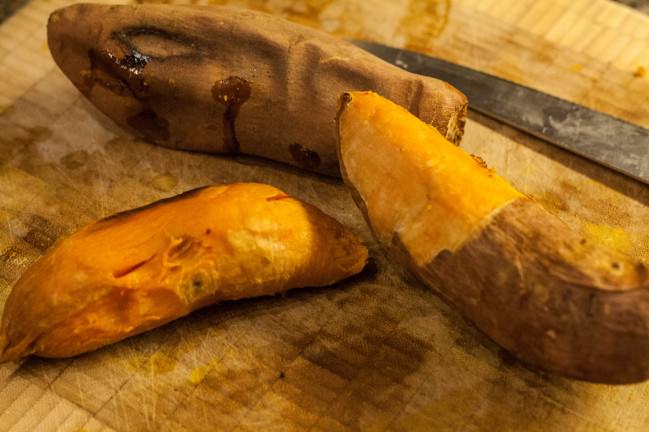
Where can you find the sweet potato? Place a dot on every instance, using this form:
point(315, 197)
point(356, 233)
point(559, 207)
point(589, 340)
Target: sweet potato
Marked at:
point(224, 80)
point(518, 272)
point(140, 269)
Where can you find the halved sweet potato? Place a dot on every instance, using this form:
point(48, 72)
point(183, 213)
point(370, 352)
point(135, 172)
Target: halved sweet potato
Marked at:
point(226, 80)
point(140, 269)
point(519, 273)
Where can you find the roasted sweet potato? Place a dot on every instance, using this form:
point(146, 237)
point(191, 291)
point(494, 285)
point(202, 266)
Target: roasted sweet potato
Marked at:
point(227, 80)
point(140, 269)
point(519, 273)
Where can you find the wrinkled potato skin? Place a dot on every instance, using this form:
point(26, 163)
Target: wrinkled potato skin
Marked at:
point(523, 277)
point(224, 80)
point(140, 269)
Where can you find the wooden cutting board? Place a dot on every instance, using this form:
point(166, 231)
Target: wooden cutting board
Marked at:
point(378, 352)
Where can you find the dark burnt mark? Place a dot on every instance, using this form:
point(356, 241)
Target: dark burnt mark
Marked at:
point(120, 76)
point(130, 269)
point(615, 265)
point(129, 69)
point(150, 125)
point(100, 74)
point(231, 92)
point(134, 62)
point(128, 213)
point(480, 161)
point(281, 375)
point(305, 157)
point(345, 99)
point(278, 197)
point(208, 231)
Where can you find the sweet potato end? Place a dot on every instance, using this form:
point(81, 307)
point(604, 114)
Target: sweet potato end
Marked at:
point(167, 259)
point(513, 269)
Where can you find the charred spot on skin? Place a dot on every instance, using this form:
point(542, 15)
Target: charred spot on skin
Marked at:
point(134, 62)
point(150, 125)
point(129, 70)
point(231, 92)
point(305, 157)
point(615, 265)
point(480, 161)
point(120, 76)
point(97, 74)
point(208, 231)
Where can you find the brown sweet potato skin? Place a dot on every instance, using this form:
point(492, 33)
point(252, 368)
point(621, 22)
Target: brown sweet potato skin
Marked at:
point(218, 80)
point(137, 270)
point(523, 277)
point(539, 290)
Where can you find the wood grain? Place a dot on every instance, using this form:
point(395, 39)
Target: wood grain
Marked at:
point(377, 353)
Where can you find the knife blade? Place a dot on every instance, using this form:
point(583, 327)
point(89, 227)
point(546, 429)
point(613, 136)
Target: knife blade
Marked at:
point(614, 143)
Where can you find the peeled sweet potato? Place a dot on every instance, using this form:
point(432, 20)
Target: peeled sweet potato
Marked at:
point(224, 80)
point(519, 273)
point(140, 269)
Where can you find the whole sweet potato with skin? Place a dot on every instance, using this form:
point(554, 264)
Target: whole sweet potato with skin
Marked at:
point(225, 80)
point(518, 272)
point(140, 269)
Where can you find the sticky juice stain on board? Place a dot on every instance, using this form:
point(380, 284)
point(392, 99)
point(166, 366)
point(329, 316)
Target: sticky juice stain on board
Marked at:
point(164, 182)
point(424, 21)
point(160, 363)
point(306, 12)
point(613, 237)
point(199, 373)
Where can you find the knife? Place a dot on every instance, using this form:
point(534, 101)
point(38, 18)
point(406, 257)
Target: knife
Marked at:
point(614, 143)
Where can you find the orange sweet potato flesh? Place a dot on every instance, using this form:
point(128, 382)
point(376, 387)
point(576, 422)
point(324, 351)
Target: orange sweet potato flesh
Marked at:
point(224, 80)
point(140, 269)
point(519, 273)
